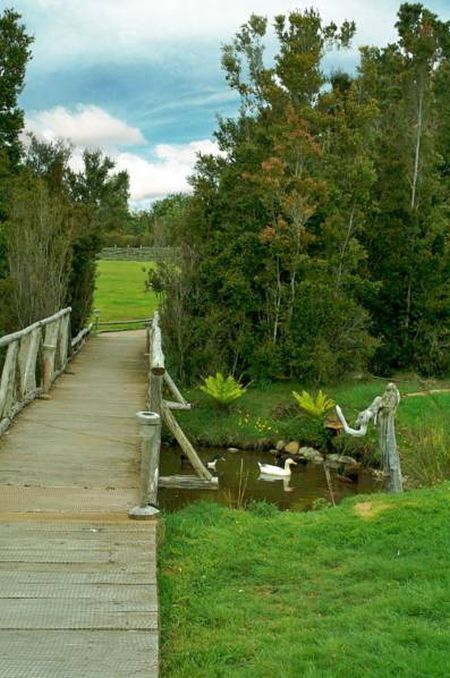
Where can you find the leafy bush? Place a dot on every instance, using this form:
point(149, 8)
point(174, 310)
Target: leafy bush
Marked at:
point(223, 391)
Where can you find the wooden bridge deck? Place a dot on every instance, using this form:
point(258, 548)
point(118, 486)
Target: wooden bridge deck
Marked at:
point(78, 592)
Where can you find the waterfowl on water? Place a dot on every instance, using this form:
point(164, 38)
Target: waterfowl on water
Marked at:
point(212, 464)
point(269, 470)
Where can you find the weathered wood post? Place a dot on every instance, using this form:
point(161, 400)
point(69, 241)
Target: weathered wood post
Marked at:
point(149, 430)
point(386, 438)
point(97, 319)
point(48, 360)
point(382, 410)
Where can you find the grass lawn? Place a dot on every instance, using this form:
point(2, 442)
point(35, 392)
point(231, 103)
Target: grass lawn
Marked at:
point(120, 291)
point(358, 590)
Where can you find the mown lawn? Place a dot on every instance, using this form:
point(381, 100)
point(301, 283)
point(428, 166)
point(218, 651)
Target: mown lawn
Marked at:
point(358, 590)
point(120, 292)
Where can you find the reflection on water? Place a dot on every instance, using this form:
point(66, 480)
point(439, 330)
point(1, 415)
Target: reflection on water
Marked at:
point(296, 492)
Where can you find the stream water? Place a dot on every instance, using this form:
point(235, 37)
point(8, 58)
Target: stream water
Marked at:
point(239, 474)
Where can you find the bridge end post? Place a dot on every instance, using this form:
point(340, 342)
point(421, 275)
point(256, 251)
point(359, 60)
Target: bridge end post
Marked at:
point(150, 426)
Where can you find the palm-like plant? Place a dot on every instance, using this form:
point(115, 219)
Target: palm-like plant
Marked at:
point(315, 408)
point(224, 391)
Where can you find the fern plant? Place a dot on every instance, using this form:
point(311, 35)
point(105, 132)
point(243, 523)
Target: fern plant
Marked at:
point(315, 408)
point(223, 391)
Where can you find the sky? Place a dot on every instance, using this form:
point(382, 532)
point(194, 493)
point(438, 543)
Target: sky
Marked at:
point(142, 81)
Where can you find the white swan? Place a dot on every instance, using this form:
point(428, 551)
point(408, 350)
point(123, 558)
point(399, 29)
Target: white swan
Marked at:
point(269, 470)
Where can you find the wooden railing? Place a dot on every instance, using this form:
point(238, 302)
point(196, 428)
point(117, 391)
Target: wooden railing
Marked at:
point(111, 325)
point(33, 358)
point(160, 410)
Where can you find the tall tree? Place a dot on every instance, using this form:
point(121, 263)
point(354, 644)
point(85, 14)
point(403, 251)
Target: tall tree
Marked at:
point(409, 250)
point(257, 227)
point(14, 55)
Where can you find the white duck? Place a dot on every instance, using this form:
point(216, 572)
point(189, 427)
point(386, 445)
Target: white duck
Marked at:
point(212, 464)
point(269, 470)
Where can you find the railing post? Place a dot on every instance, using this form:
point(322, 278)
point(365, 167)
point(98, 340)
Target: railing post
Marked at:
point(150, 433)
point(97, 319)
point(49, 351)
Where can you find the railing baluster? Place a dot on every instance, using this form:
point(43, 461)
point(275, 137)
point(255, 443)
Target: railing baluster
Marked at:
point(8, 386)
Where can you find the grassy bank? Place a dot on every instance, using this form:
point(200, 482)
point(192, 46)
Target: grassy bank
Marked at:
point(120, 291)
point(357, 590)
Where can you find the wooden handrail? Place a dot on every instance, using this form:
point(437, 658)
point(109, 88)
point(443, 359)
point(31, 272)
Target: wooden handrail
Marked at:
point(156, 355)
point(8, 338)
point(35, 356)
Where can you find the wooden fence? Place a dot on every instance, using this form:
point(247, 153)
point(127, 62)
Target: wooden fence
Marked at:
point(157, 254)
point(34, 357)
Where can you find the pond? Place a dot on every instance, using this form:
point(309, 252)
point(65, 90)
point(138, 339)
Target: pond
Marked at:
point(239, 474)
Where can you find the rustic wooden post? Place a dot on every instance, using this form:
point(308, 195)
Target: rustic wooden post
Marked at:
point(386, 437)
point(64, 341)
point(382, 411)
point(97, 319)
point(8, 384)
point(49, 354)
point(150, 426)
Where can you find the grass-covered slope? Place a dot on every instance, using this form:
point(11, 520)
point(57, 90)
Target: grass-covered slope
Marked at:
point(120, 292)
point(360, 590)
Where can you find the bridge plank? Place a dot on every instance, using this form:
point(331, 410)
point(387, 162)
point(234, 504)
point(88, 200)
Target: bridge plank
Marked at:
point(78, 590)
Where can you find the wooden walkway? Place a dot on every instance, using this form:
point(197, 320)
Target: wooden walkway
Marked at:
point(78, 595)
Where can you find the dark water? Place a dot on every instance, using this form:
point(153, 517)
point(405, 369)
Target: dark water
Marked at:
point(297, 493)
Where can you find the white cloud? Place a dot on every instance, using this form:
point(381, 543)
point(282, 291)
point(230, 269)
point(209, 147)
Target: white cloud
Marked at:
point(168, 173)
point(88, 126)
point(145, 28)
point(94, 127)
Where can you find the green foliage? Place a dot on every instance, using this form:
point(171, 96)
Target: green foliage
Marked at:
point(39, 232)
point(223, 390)
point(319, 239)
point(315, 407)
point(14, 55)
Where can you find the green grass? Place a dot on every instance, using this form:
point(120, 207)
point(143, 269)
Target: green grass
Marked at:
point(120, 291)
point(351, 591)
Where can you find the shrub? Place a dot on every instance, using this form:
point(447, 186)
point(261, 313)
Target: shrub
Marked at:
point(315, 408)
point(223, 391)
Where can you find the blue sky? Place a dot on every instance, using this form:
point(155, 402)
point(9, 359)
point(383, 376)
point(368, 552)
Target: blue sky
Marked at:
point(141, 79)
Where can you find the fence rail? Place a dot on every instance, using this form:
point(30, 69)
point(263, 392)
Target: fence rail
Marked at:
point(34, 358)
point(157, 254)
point(99, 326)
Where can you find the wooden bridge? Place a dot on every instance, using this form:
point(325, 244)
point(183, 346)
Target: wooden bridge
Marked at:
point(77, 576)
